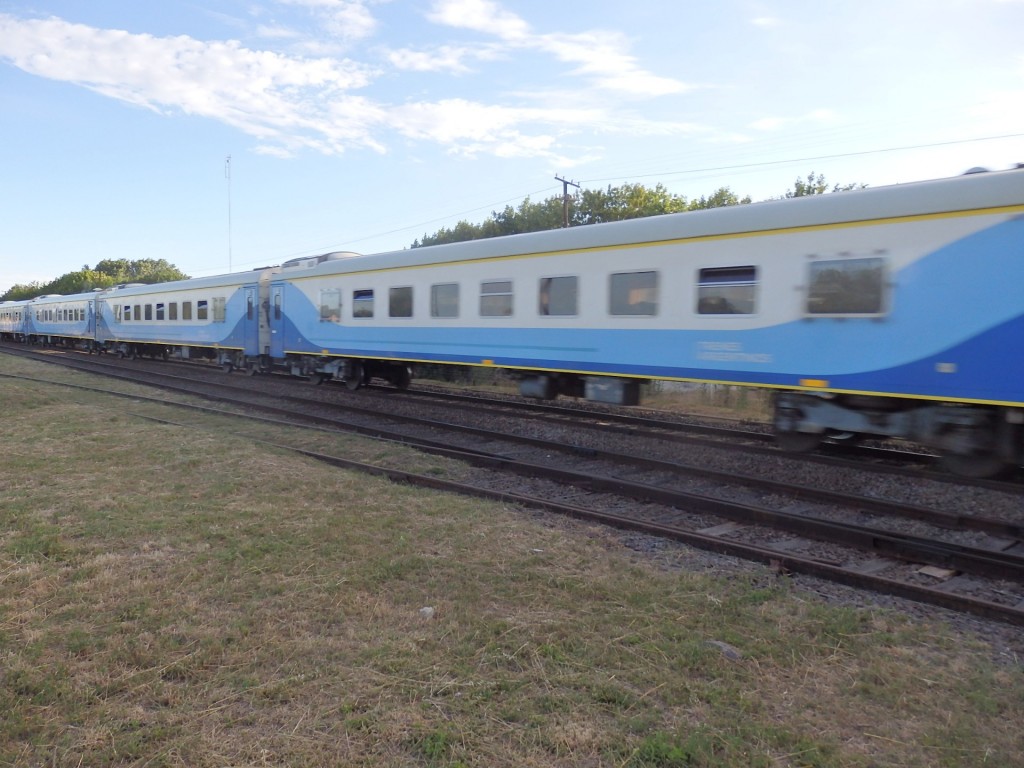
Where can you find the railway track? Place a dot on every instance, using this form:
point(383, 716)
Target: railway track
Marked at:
point(799, 529)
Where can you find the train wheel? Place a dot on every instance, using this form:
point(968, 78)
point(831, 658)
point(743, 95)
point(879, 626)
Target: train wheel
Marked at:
point(843, 438)
point(400, 377)
point(355, 378)
point(974, 465)
point(798, 442)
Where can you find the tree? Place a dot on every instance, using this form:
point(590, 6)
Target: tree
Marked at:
point(587, 206)
point(816, 185)
point(140, 270)
point(107, 273)
point(720, 198)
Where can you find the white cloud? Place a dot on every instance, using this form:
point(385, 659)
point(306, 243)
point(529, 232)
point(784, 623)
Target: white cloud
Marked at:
point(480, 16)
point(292, 103)
point(345, 20)
point(444, 58)
point(598, 54)
point(265, 94)
point(470, 128)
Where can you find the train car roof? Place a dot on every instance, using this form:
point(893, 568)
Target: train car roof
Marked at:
point(56, 298)
point(972, 191)
point(232, 279)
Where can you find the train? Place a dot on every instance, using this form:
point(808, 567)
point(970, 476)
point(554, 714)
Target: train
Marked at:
point(887, 312)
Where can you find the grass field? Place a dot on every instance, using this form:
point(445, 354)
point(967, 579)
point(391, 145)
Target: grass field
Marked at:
point(176, 595)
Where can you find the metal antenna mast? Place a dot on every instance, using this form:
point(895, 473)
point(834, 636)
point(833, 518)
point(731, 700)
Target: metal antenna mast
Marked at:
point(227, 175)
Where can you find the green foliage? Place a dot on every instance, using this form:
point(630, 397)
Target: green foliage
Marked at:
point(816, 185)
point(586, 206)
point(596, 206)
point(720, 198)
point(106, 273)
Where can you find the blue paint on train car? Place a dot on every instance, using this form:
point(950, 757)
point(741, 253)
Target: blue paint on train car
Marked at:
point(908, 350)
point(229, 333)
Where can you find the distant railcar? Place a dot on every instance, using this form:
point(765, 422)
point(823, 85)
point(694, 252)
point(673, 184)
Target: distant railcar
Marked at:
point(213, 318)
point(62, 320)
point(12, 320)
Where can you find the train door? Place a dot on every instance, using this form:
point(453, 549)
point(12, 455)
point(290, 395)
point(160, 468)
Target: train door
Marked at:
point(251, 323)
point(90, 322)
point(275, 318)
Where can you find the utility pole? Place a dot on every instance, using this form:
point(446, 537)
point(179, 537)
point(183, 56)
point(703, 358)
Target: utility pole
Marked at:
point(565, 198)
point(227, 175)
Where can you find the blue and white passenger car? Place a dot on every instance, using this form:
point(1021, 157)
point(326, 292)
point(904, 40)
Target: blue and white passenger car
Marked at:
point(12, 320)
point(62, 320)
point(894, 311)
point(214, 317)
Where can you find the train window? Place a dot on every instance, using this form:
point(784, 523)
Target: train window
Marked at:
point(138, 311)
point(444, 300)
point(846, 287)
point(250, 309)
point(362, 303)
point(633, 293)
point(202, 310)
point(558, 296)
point(219, 309)
point(496, 298)
point(186, 310)
point(149, 311)
point(400, 302)
point(172, 311)
point(727, 291)
point(160, 313)
point(277, 305)
point(117, 312)
point(330, 305)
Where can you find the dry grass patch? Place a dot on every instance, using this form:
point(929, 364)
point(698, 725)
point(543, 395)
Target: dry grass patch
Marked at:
point(175, 596)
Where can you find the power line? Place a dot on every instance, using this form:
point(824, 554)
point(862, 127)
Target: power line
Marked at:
point(808, 159)
point(708, 169)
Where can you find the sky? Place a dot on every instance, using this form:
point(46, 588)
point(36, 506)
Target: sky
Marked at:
point(225, 135)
